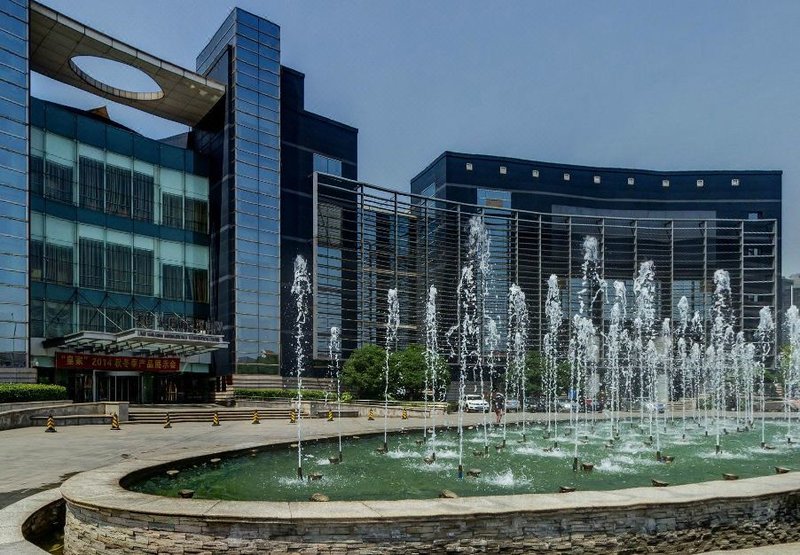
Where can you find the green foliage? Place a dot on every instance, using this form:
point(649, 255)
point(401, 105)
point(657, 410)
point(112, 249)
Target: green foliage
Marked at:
point(310, 394)
point(363, 373)
point(407, 374)
point(23, 392)
point(535, 364)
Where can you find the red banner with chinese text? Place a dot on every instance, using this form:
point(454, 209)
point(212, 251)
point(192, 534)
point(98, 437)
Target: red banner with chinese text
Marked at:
point(105, 362)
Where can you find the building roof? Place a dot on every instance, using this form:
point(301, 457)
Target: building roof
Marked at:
point(55, 40)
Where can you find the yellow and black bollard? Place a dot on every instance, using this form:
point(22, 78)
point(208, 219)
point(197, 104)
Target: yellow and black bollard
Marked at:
point(404, 415)
point(292, 416)
point(215, 419)
point(51, 425)
point(371, 415)
point(167, 423)
point(115, 422)
point(255, 420)
point(330, 415)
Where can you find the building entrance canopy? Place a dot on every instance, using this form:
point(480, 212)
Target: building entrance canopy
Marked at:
point(140, 340)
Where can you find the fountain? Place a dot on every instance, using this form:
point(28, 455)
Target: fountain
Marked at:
point(643, 362)
point(431, 364)
point(517, 343)
point(550, 375)
point(301, 289)
point(392, 324)
point(335, 355)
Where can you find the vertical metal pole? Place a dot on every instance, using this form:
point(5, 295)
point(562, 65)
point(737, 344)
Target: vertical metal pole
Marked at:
point(741, 275)
point(362, 271)
point(539, 283)
point(396, 242)
point(705, 276)
point(458, 269)
point(314, 262)
point(569, 275)
point(671, 268)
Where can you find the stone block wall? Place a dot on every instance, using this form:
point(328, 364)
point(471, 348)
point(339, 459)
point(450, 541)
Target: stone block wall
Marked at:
point(686, 527)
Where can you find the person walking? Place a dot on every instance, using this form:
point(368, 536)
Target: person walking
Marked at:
point(499, 402)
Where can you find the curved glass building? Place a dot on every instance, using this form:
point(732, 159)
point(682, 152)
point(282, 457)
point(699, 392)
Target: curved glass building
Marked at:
point(689, 223)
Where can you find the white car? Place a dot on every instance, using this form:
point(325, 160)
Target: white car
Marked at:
point(475, 403)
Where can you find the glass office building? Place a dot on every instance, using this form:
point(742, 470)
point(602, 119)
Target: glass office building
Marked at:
point(142, 269)
point(159, 270)
point(537, 216)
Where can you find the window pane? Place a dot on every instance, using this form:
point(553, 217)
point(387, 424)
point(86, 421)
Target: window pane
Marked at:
point(37, 260)
point(91, 263)
point(118, 319)
point(197, 215)
point(143, 191)
point(173, 282)
point(91, 173)
point(118, 191)
point(197, 285)
point(58, 319)
point(118, 268)
point(37, 174)
point(172, 210)
point(58, 181)
point(58, 264)
point(143, 272)
point(90, 318)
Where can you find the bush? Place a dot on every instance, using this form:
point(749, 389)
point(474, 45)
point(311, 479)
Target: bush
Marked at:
point(308, 394)
point(23, 392)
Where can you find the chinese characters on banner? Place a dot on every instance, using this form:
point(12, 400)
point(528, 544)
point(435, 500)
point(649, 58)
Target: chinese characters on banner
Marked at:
point(105, 362)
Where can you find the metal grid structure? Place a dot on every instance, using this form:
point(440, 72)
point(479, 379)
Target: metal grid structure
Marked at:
point(368, 239)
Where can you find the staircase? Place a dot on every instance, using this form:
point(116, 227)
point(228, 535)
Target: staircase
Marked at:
point(157, 416)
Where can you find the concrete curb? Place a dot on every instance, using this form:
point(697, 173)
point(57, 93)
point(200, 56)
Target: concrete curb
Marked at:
point(14, 517)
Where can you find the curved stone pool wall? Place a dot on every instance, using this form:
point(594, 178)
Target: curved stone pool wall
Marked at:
point(103, 517)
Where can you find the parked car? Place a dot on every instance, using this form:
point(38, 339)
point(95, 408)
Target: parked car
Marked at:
point(593, 405)
point(565, 405)
point(654, 407)
point(535, 404)
point(475, 403)
point(513, 405)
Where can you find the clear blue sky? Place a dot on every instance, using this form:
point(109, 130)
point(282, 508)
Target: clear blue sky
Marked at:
point(660, 85)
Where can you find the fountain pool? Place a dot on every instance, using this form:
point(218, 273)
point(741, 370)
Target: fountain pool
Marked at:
point(520, 468)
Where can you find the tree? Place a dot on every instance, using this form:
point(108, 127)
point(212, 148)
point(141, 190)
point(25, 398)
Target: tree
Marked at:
point(363, 372)
point(535, 364)
point(407, 374)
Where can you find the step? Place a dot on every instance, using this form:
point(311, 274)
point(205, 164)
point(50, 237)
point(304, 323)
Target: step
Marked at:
point(344, 414)
point(230, 415)
point(72, 420)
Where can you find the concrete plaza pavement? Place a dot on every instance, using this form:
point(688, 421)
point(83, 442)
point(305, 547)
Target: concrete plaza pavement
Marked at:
point(32, 460)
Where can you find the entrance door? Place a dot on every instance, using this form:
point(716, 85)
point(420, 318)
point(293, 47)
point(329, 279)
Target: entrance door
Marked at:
point(119, 386)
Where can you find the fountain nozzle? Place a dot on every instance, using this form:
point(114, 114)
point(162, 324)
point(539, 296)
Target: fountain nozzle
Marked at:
point(575, 464)
point(460, 472)
point(300, 472)
point(717, 449)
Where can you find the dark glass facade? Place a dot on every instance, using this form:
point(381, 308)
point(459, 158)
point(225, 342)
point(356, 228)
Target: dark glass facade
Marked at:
point(14, 83)
point(410, 242)
point(244, 139)
point(114, 231)
point(660, 207)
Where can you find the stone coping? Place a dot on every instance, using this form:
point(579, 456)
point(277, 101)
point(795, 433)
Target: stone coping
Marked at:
point(101, 489)
point(14, 517)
